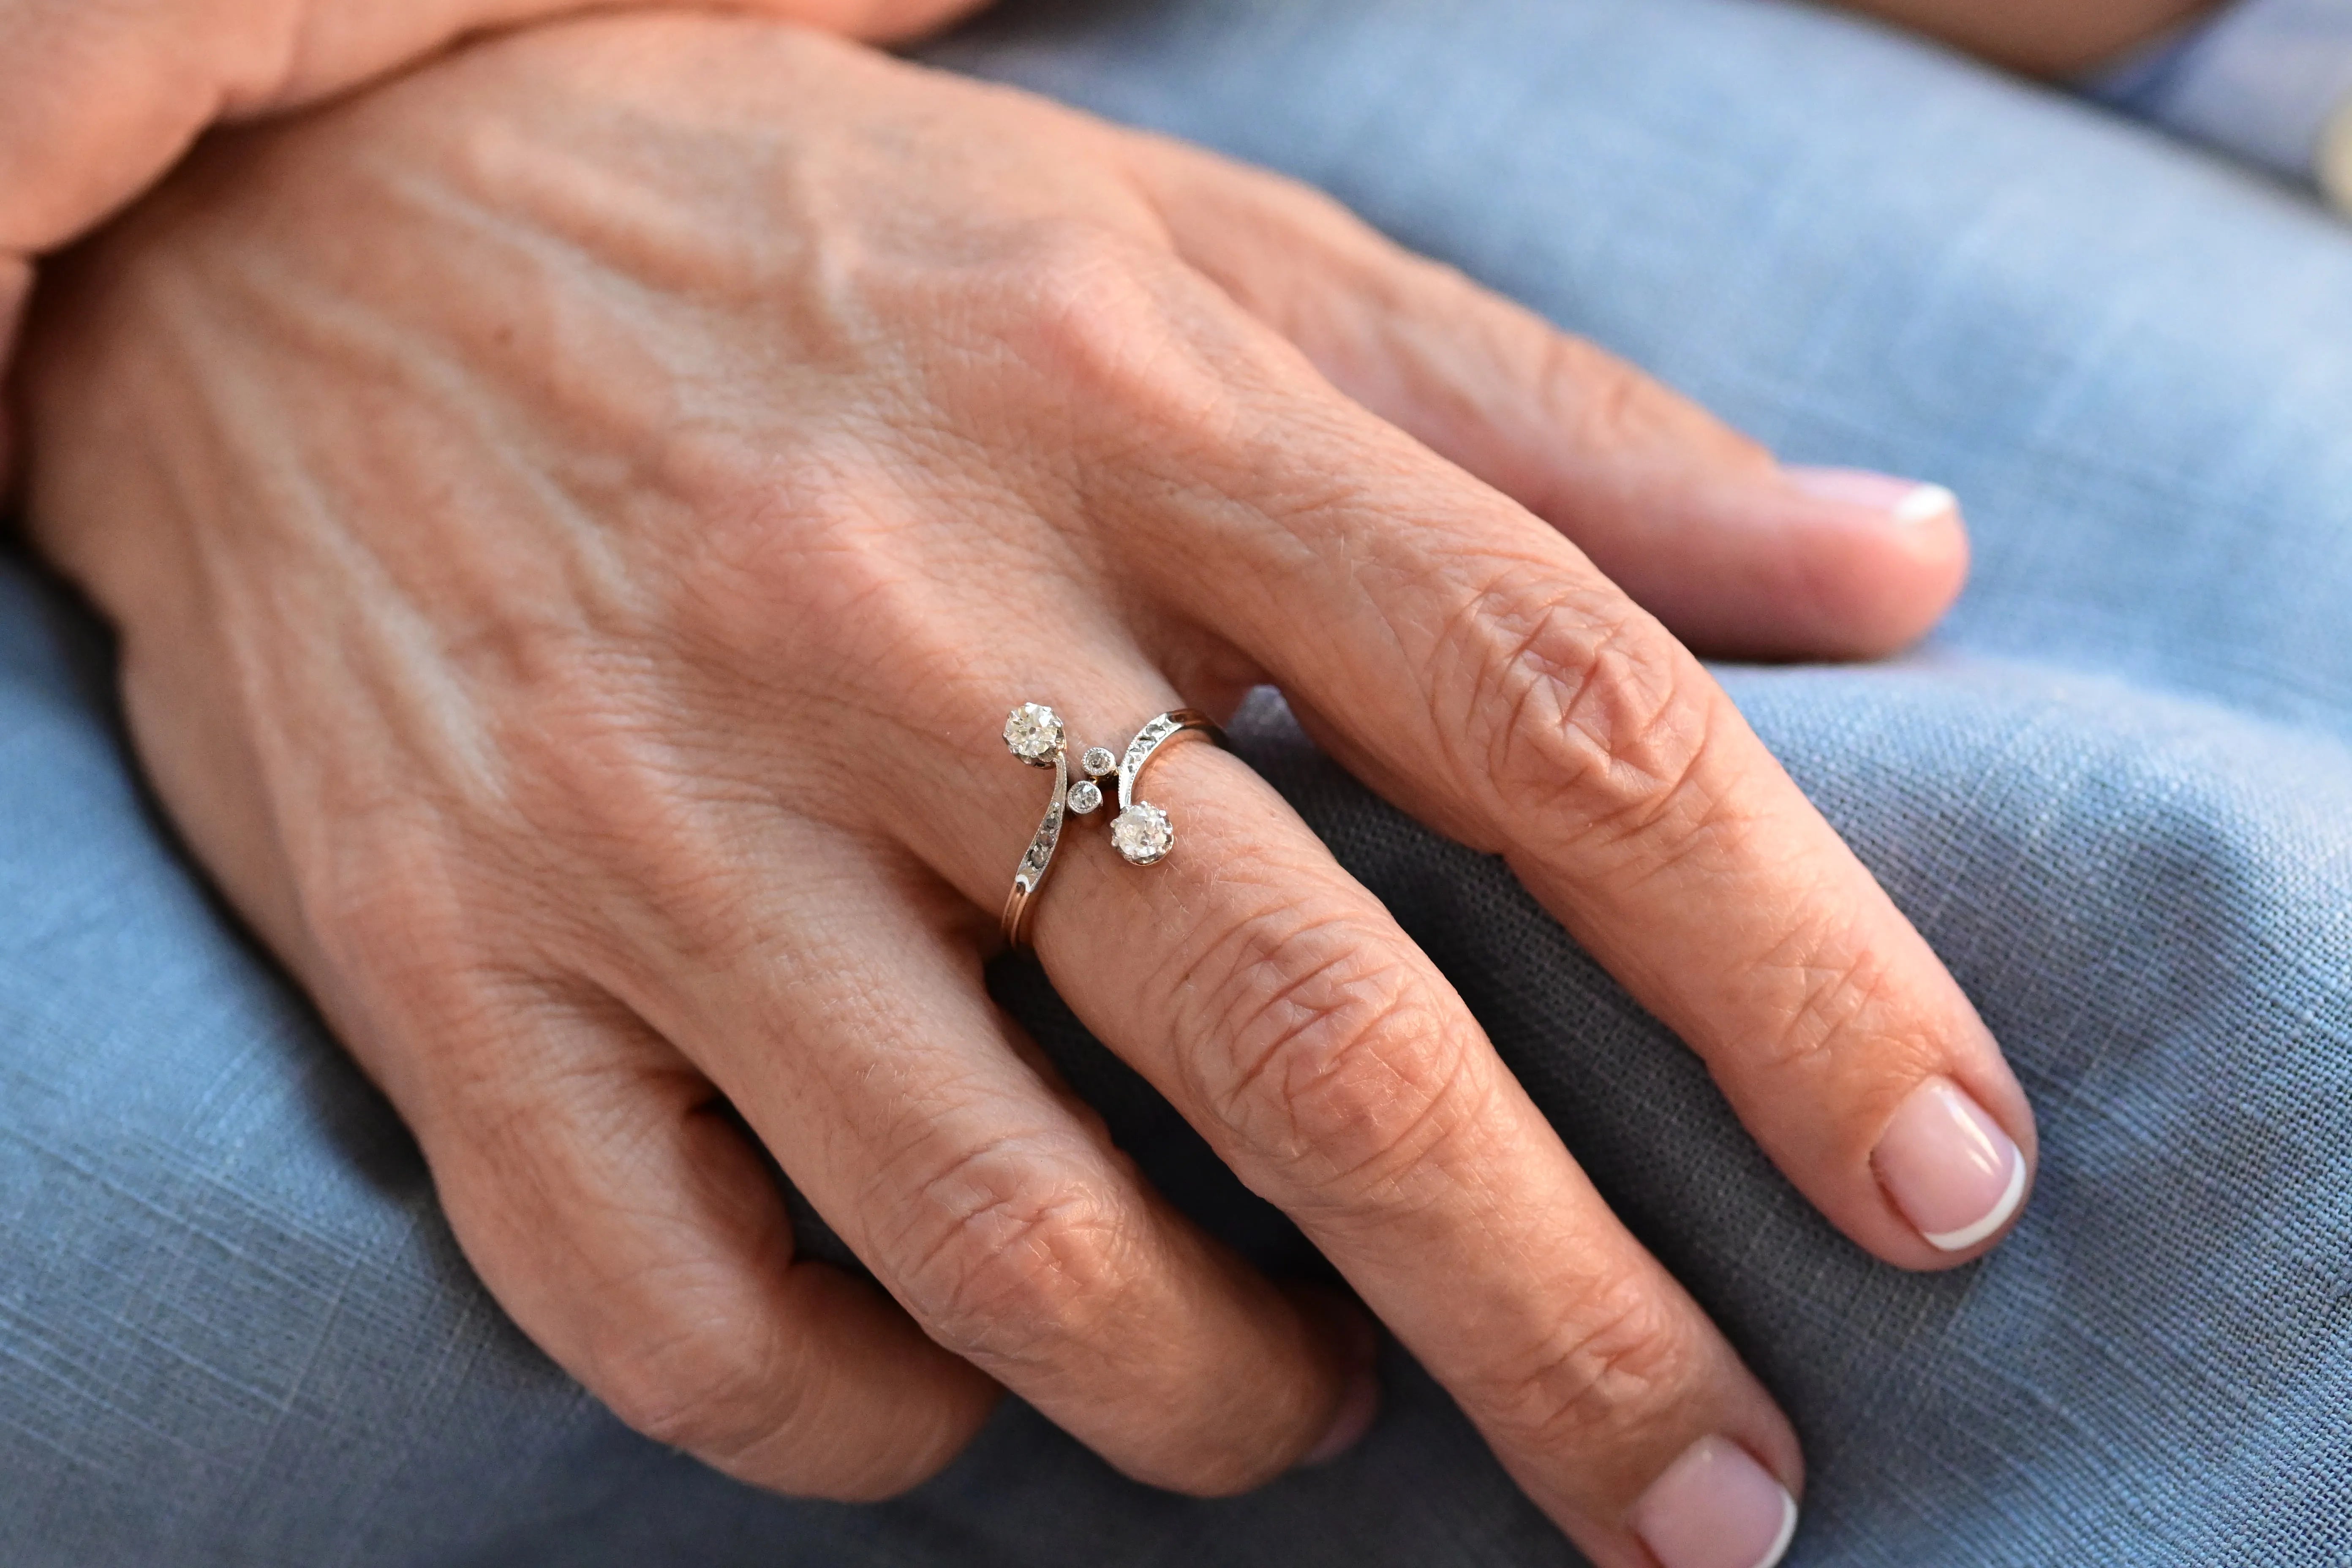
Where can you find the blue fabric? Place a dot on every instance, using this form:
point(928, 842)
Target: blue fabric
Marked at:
point(2113, 792)
point(2260, 79)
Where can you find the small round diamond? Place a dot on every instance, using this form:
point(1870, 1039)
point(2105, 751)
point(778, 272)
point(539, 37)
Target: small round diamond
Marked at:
point(1142, 834)
point(1098, 760)
point(1086, 796)
point(1032, 732)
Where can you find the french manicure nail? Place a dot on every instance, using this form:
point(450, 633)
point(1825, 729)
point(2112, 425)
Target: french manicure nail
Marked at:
point(1716, 1508)
point(1905, 503)
point(1949, 1167)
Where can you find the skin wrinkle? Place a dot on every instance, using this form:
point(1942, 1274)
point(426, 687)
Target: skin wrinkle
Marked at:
point(1717, 831)
point(1609, 707)
point(787, 521)
point(1587, 1373)
point(1436, 1121)
point(1835, 1000)
point(1547, 672)
point(1420, 1173)
point(1027, 1258)
point(1332, 1111)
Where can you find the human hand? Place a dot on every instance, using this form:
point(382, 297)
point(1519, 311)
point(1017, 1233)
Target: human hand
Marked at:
point(97, 99)
point(577, 517)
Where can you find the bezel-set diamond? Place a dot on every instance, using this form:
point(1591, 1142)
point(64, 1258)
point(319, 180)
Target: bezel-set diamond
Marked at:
point(1098, 760)
point(1086, 798)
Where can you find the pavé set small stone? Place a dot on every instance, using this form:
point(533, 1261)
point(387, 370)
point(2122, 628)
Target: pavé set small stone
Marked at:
point(1141, 833)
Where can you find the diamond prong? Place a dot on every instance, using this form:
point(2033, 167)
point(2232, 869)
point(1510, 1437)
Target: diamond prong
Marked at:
point(1032, 732)
point(1142, 834)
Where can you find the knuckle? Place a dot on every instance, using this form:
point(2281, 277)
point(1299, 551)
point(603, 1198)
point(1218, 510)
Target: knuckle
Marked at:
point(1337, 1058)
point(1605, 404)
point(715, 1389)
point(1106, 320)
point(1011, 1254)
point(1609, 408)
point(1827, 991)
point(1578, 711)
point(1595, 1381)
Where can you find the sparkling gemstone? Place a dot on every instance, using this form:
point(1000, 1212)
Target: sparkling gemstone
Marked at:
point(1098, 760)
point(1142, 834)
point(1085, 796)
point(1032, 732)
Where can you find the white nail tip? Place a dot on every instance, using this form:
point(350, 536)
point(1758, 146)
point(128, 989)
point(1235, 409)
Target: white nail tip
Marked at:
point(1925, 504)
point(1968, 1236)
point(1779, 1547)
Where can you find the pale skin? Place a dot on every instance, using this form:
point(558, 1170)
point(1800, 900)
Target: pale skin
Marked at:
point(576, 517)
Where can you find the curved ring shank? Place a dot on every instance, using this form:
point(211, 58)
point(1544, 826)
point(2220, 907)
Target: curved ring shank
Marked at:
point(1020, 904)
point(1154, 735)
point(1037, 859)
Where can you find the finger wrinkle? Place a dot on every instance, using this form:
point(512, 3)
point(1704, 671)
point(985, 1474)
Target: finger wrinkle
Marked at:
point(1595, 721)
point(1021, 1257)
point(1617, 1364)
point(1837, 1000)
point(1344, 1059)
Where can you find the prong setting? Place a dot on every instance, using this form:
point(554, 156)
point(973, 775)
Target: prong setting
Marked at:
point(1141, 832)
point(1033, 733)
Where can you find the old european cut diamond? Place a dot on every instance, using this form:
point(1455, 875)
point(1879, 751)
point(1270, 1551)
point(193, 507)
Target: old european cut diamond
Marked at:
point(1098, 760)
point(1032, 732)
point(1141, 833)
point(1085, 796)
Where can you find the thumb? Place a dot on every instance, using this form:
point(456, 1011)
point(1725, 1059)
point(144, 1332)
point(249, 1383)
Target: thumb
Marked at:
point(1736, 554)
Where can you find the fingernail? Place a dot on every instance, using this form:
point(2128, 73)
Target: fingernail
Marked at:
point(1716, 1508)
point(1905, 503)
point(1358, 1403)
point(1949, 1167)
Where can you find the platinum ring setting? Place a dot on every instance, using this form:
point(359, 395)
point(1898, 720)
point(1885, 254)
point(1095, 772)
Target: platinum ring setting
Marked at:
point(1141, 832)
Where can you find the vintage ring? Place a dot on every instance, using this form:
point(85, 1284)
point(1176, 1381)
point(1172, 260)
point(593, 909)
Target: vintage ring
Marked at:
point(1141, 833)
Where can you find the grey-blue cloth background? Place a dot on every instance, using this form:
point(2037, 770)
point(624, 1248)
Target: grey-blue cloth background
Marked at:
point(2113, 791)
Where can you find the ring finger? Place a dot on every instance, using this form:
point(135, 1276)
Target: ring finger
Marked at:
point(1281, 1009)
